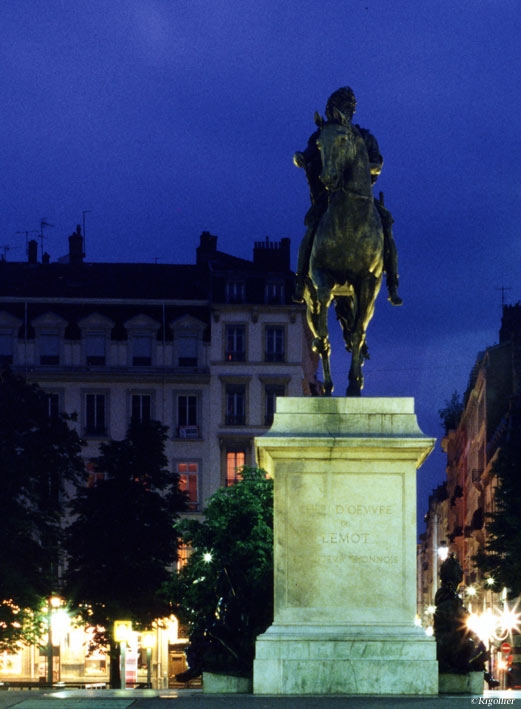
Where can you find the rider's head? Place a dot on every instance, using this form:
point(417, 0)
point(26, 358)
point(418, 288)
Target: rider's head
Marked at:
point(342, 100)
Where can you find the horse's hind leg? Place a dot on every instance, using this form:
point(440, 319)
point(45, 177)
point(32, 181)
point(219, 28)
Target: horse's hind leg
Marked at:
point(366, 300)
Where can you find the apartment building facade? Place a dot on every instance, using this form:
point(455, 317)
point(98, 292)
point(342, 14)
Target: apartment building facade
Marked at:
point(205, 348)
point(457, 515)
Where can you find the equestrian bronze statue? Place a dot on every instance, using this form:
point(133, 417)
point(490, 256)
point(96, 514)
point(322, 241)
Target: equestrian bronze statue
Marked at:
point(348, 244)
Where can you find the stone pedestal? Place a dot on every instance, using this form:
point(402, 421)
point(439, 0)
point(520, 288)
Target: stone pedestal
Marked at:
point(470, 683)
point(345, 550)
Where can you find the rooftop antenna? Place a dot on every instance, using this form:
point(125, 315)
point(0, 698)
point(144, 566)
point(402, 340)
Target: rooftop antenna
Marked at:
point(27, 232)
point(503, 289)
point(43, 224)
point(85, 211)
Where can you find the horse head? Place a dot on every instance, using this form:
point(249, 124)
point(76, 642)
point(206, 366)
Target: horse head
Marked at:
point(335, 143)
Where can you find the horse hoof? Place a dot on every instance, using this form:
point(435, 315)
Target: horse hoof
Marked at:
point(355, 388)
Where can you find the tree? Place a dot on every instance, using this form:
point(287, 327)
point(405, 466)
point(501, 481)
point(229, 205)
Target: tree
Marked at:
point(501, 557)
point(225, 591)
point(122, 541)
point(39, 458)
point(450, 415)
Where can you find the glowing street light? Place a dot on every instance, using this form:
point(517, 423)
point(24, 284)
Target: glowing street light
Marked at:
point(148, 641)
point(122, 634)
point(443, 551)
point(53, 603)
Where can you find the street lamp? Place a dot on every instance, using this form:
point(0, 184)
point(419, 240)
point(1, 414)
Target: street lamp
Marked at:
point(148, 641)
point(122, 633)
point(495, 625)
point(443, 551)
point(52, 603)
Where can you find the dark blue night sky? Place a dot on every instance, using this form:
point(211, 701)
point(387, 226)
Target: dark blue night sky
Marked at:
point(163, 118)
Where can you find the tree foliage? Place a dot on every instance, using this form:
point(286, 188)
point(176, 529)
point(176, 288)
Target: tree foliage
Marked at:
point(39, 458)
point(450, 415)
point(501, 557)
point(122, 541)
point(225, 591)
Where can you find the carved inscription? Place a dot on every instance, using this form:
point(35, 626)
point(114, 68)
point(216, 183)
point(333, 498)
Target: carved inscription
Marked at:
point(356, 521)
point(342, 532)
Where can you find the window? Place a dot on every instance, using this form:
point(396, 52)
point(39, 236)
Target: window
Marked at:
point(235, 343)
point(95, 415)
point(6, 348)
point(49, 348)
point(274, 344)
point(95, 348)
point(142, 349)
point(183, 554)
point(235, 292)
point(235, 460)
point(188, 472)
point(271, 392)
point(188, 350)
point(188, 347)
point(53, 405)
point(141, 406)
point(274, 293)
point(235, 405)
point(187, 416)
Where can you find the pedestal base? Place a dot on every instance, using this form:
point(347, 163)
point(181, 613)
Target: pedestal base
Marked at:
point(470, 683)
point(343, 661)
point(344, 475)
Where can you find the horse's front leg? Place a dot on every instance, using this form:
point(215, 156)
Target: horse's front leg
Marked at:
point(321, 343)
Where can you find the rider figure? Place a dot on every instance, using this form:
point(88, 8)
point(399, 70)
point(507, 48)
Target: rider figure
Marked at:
point(342, 100)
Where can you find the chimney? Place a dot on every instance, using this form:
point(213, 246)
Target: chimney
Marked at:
point(272, 255)
point(76, 247)
point(32, 252)
point(207, 248)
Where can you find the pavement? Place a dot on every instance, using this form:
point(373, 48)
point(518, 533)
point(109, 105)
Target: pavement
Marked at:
point(196, 699)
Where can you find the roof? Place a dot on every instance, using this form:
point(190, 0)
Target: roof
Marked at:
point(103, 280)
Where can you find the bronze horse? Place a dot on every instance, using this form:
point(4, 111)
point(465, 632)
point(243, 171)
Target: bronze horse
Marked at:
point(346, 263)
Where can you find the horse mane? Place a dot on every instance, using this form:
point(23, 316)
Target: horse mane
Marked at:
point(338, 117)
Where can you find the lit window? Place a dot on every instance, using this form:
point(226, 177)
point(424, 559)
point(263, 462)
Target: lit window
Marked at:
point(235, 461)
point(183, 554)
point(189, 482)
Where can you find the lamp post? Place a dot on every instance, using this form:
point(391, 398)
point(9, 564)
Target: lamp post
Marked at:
point(495, 625)
point(148, 641)
point(53, 602)
point(122, 631)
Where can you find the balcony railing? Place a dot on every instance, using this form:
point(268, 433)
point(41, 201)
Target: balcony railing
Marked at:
point(189, 432)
